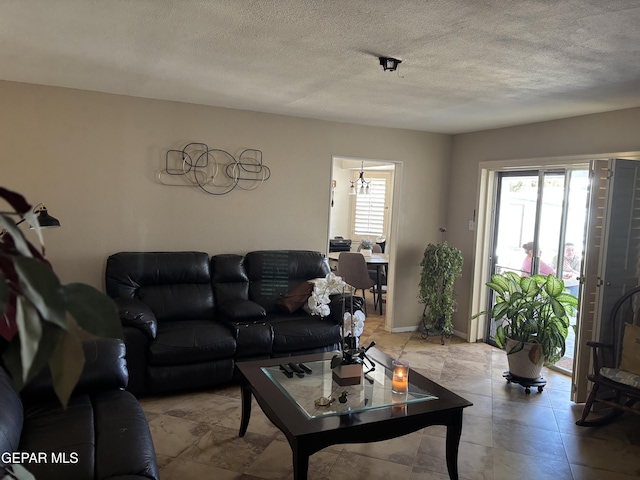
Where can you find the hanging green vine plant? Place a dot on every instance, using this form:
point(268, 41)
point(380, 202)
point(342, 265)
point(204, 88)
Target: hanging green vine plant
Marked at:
point(441, 265)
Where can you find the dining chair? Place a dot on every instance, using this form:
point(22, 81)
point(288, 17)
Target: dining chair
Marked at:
point(373, 271)
point(352, 267)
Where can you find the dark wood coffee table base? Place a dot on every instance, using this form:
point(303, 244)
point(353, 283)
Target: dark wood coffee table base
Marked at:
point(308, 436)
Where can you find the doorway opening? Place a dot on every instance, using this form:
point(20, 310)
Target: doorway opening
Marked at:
point(365, 213)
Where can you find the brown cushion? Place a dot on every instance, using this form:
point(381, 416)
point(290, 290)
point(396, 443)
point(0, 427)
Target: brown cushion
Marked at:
point(291, 301)
point(631, 349)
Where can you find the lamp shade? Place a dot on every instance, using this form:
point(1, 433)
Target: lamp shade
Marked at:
point(47, 221)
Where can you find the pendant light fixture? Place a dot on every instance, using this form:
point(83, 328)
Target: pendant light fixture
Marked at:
point(360, 186)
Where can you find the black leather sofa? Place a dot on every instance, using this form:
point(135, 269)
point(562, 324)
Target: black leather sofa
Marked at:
point(102, 434)
point(188, 318)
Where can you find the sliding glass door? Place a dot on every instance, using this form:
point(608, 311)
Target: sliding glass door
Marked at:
point(539, 227)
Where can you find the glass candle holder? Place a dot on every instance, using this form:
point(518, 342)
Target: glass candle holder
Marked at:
point(399, 410)
point(400, 379)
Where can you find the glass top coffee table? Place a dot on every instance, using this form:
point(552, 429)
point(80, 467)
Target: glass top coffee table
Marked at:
point(371, 412)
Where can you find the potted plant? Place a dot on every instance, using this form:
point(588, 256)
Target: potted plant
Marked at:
point(441, 265)
point(366, 247)
point(41, 320)
point(533, 320)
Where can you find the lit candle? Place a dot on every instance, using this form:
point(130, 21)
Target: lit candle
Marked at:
point(399, 410)
point(400, 380)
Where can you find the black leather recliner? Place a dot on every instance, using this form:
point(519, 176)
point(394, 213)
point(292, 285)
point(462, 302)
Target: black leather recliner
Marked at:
point(188, 318)
point(167, 310)
point(102, 434)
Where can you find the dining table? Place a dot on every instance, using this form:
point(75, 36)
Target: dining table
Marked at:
point(377, 261)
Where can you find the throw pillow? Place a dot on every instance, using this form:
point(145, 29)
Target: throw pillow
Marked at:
point(631, 349)
point(291, 301)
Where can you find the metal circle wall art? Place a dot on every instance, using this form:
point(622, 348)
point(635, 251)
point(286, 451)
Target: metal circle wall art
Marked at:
point(214, 171)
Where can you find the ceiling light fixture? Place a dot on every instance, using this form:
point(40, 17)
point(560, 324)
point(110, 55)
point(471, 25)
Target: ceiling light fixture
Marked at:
point(364, 187)
point(389, 64)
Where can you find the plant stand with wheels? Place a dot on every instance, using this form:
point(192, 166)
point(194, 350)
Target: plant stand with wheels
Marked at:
point(527, 383)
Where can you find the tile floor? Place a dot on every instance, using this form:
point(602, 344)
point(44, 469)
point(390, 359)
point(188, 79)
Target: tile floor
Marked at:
point(506, 434)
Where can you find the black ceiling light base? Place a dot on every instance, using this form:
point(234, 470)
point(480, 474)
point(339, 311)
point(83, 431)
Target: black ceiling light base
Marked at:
point(389, 64)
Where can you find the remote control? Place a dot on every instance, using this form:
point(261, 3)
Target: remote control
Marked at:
point(305, 368)
point(295, 368)
point(286, 370)
point(298, 371)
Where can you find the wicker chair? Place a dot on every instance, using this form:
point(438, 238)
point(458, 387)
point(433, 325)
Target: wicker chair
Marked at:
point(614, 386)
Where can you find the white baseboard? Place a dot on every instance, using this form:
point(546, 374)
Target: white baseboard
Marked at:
point(456, 333)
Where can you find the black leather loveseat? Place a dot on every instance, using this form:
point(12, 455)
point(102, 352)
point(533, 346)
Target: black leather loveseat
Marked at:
point(102, 434)
point(188, 318)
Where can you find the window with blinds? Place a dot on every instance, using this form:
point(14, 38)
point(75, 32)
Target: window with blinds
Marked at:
point(370, 214)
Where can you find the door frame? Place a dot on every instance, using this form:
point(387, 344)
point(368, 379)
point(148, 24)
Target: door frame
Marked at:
point(487, 184)
point(487, 172)
point(391, 245)
point(538, 203)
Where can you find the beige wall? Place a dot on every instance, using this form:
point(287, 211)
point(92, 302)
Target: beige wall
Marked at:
point(341, 211)
point(596, 135)
point(92, 158)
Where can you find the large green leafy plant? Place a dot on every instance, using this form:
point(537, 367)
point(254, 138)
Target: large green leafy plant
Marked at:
point(532, 309)
point(41, 320)
point(441, 265)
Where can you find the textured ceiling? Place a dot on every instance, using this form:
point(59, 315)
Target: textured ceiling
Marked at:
point(467, 65)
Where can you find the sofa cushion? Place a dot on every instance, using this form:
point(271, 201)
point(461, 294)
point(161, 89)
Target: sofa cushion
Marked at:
point(172, 378)
point(191, 341)
point(69, 432)
point(253, 339)
point(102, 435)
point(124, 446)
point(302, 331)
point(179, 301)
point(11, 414)
point(275, 272)
point(621, 376)
point(175, 285)
point(105, 368)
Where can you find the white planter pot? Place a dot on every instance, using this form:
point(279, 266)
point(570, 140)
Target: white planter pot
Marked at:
point(527, 363)
point(366, 253)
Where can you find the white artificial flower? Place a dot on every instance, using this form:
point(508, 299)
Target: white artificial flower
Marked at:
point(358, 322)
point(318, 303)
point(354, 324)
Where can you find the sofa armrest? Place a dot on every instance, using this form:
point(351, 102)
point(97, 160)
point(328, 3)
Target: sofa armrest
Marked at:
point(105, 368)
point(137, 314)
point(236, 311)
